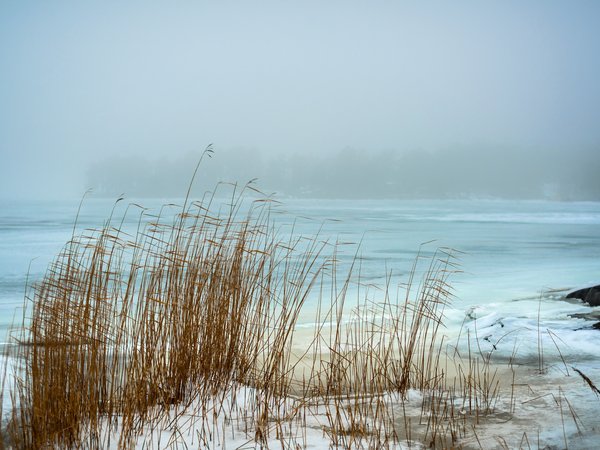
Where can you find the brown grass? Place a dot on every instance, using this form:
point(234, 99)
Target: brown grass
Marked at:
point(127, 332)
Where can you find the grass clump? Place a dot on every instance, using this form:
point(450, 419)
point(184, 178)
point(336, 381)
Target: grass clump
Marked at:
point(187, 325)
point(127, 325)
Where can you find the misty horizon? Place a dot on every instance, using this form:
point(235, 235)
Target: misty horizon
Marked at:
point(358, 174)
point(452, 84)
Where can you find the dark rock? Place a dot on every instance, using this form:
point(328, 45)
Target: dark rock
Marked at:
point(589, 295)
point(596, 326)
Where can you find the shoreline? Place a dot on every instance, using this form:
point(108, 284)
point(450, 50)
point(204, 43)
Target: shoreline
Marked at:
point(523, 405)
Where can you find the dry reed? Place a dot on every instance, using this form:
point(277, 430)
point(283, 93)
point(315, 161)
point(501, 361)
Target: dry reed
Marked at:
point(129, 331)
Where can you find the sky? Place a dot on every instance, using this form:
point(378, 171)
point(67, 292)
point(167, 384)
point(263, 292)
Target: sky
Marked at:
point(84, 81)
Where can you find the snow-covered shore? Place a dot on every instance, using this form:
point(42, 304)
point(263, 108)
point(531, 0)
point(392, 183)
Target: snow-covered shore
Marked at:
point(532, 410)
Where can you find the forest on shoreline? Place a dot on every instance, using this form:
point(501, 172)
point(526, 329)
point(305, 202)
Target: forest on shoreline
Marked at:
point(352, 173)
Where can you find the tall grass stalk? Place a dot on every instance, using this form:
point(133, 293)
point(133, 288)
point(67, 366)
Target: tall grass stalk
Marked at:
point(170, 324)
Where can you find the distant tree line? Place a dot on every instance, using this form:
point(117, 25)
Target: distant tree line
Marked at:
point(352, 173)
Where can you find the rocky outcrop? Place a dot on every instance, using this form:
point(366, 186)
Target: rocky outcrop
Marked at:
point(589, 295)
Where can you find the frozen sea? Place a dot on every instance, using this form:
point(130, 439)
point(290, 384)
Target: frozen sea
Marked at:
point(518, 258)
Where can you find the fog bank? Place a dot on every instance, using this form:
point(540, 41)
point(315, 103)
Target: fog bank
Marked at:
point(352, 173)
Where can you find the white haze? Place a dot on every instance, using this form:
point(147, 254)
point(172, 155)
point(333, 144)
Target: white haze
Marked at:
point(84, 84)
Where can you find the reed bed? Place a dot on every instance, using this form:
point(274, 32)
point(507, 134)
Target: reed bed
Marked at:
point(186, 326)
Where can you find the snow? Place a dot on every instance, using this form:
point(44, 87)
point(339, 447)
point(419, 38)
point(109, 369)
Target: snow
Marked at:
point(549, 410)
